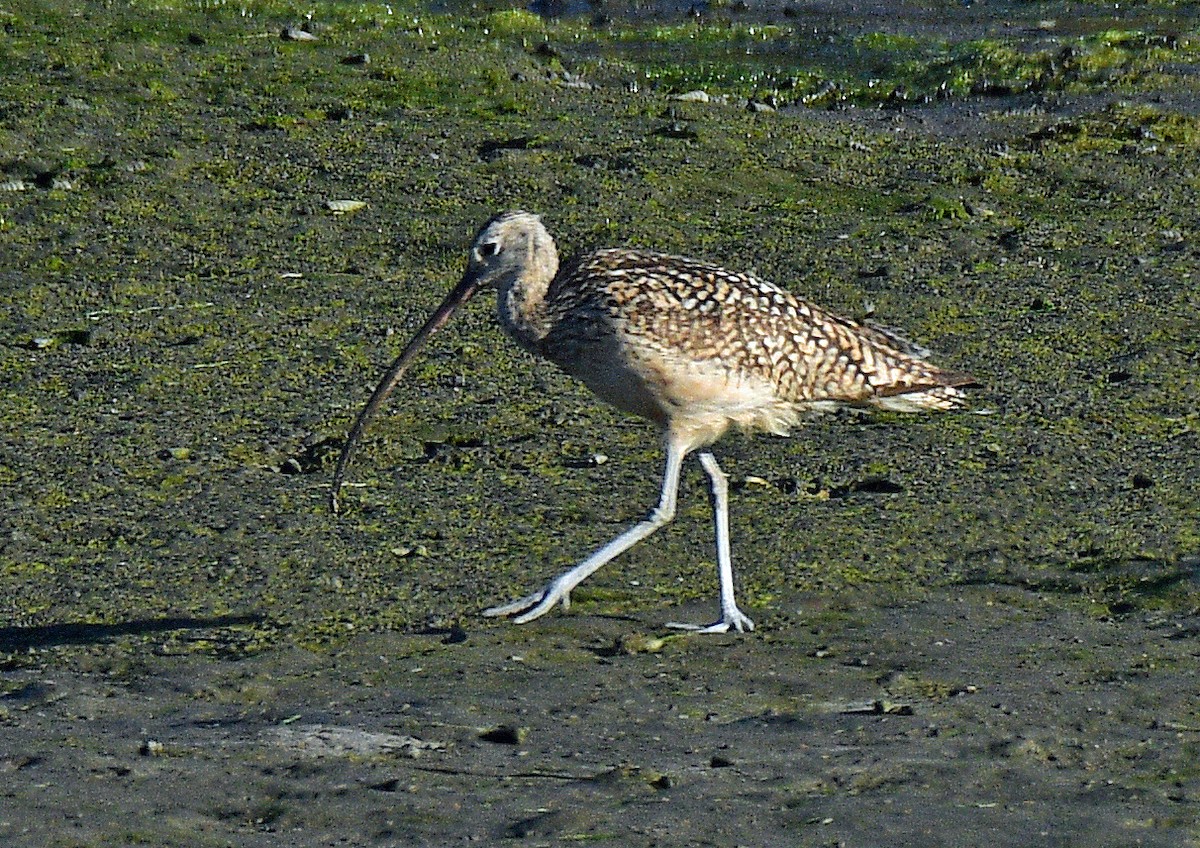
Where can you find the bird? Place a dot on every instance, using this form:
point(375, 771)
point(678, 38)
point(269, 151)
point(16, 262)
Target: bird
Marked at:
point(688, 345)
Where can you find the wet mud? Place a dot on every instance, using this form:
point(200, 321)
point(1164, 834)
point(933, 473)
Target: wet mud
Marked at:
point(974, 628)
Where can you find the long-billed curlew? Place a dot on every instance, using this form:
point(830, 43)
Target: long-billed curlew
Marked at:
point(689, 345)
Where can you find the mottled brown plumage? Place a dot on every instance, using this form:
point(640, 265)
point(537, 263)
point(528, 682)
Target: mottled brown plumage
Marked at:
point(689, 345)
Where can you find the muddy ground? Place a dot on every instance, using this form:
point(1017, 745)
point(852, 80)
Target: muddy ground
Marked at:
point(976, 715)
point(975, 628)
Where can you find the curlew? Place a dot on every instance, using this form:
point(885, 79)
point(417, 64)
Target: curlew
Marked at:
point(690, 346)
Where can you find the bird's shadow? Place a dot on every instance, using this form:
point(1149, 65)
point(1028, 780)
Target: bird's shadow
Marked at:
point(50, 635)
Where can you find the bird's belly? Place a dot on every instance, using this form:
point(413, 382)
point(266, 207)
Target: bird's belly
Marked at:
point(705, 400)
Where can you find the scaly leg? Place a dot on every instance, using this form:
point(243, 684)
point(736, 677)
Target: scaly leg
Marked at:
point(539, 603)
point(731, 616)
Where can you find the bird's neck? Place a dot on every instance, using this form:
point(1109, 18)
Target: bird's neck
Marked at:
point(521, 295)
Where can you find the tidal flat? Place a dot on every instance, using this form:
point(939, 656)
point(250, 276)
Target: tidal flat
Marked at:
point(220, 221)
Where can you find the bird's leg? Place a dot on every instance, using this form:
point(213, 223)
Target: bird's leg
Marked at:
point(731, 616)
point(539, 603)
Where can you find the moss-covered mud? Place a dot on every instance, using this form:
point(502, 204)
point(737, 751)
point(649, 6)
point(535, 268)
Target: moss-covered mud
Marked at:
point(974, 628)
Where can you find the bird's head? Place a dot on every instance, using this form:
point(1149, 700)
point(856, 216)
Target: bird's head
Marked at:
point(511, 247)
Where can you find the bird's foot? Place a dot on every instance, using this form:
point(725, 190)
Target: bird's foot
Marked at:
point(533, 606)
point(731, 619)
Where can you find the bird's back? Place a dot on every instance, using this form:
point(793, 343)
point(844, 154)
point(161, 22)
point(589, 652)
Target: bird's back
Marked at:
point(675, 339)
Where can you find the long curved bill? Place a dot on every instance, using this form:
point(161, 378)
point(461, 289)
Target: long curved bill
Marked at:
point(459, 295)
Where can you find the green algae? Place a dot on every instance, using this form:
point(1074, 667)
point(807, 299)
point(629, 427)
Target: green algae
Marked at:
point(230, 316)
point(882, 67)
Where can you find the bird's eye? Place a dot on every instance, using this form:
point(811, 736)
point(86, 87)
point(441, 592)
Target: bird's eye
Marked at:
point(489, 248)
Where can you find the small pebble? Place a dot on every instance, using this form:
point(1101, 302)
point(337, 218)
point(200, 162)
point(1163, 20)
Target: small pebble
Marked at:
point(293, 33)
point(404, 551)
point(343, 207)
